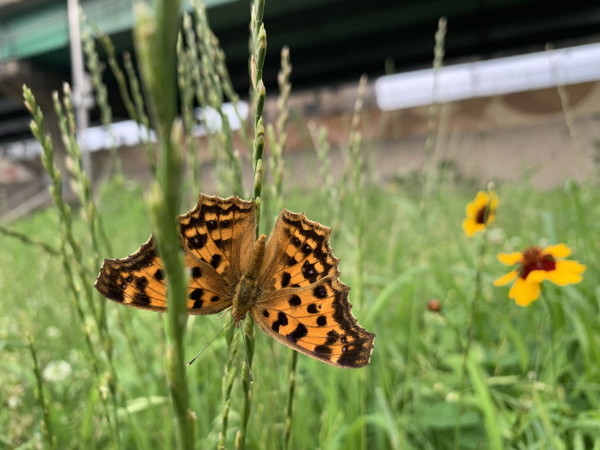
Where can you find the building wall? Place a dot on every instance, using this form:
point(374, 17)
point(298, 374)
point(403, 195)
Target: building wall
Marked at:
point(502, 139)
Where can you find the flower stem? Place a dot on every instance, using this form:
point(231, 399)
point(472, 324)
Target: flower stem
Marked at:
point(471, 323)
point(552, 351)
point(47, 426)
point(287, 428)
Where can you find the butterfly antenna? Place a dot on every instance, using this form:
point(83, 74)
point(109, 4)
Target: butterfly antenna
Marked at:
point(209, 342)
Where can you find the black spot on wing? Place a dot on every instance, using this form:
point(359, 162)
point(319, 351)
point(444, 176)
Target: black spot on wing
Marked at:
point(223, 244)
point(309, 272)
point(196, 294)
point(140, 297)
point(332, 337)
point(320, 291)
point(285, 279)
point(281, 321)
point(299, 332)
point(197, 304)
point(215, 261)
point(323, 350)
point(197, 242)
point(306, 249)
point(294, 300)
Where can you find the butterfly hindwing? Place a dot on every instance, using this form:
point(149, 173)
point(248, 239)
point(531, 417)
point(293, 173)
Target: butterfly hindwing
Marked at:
point(304, 305)
point(316, 320)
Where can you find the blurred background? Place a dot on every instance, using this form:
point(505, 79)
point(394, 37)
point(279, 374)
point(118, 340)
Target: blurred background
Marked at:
point(519, 85)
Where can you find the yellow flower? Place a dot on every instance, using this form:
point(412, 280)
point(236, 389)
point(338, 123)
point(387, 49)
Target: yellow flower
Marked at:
point(480, 212)
point(536, 265)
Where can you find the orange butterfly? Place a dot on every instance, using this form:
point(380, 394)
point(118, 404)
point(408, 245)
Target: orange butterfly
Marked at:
point(288, 283)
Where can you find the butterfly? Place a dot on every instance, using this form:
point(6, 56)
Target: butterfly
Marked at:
point(289, 283)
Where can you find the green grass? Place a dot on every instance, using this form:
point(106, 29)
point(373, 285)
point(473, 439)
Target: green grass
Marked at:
point(532, 374)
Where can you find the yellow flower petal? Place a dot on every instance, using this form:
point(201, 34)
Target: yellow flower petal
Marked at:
point(471, 210)
point(570, 266)
point(481, 200)
point(470, 227)
point(537, 276)
point(566, 272)
point(524, 292)
point(557, 251)
point(506, 278)
point(510, 259)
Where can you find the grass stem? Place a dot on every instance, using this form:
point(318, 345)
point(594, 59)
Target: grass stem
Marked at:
point(155, 38)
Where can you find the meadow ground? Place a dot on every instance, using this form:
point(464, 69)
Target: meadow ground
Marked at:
point(529, 380)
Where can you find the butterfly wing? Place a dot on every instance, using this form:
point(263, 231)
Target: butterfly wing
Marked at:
point(139, 281)
point(297, 253)
point(304, 305)
point(316, 320)
point(214, 255)
point(220, 232)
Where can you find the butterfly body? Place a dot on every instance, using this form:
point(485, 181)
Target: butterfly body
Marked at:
point(246, 291)
point(289, 283)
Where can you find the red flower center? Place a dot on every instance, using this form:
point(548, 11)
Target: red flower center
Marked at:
point(534, 259)
point(483, 214)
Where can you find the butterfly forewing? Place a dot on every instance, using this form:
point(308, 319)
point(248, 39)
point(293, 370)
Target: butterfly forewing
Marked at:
point(139, 280)
point(220, 232)
point(216, 237)
point(297, 253)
